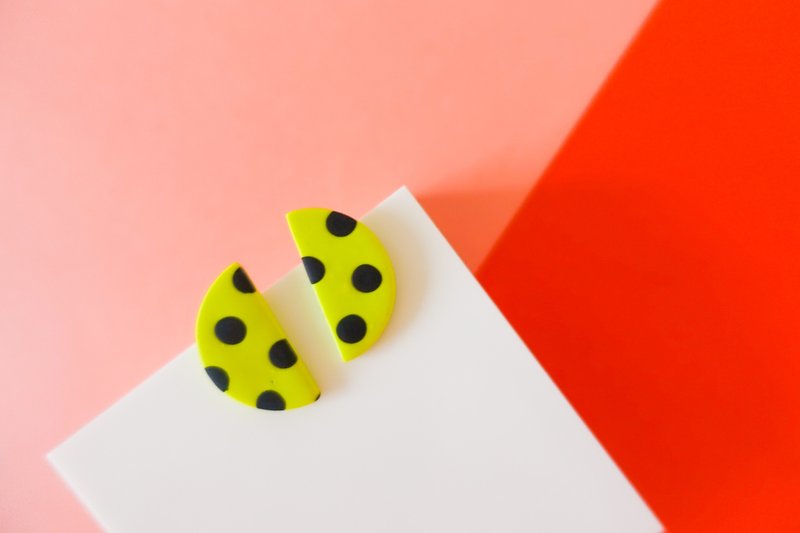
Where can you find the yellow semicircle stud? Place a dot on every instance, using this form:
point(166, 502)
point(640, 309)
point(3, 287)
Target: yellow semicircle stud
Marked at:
point(351, 273)
point(244, 349)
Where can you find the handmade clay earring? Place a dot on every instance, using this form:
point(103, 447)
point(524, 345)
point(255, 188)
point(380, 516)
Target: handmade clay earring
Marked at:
point(351, 273)
point(242, 345)
point(245, 350)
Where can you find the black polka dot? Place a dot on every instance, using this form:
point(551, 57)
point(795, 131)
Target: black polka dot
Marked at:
point(230, 330)
point(314, 268)
point(242, 282)
point(340, 224)
point(271, 401)
point(366, 278)
point(218, 376)
point(282, 355)
point(351, 329)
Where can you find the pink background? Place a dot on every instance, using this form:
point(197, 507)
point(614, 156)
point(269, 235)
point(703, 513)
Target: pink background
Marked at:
point(145, 147)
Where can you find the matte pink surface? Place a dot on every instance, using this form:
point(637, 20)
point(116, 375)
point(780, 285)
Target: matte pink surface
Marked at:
point(144, 147)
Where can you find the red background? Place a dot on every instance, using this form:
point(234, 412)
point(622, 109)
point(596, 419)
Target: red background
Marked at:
point(655, 269)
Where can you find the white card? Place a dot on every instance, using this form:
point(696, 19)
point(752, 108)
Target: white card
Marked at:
point(447, 424)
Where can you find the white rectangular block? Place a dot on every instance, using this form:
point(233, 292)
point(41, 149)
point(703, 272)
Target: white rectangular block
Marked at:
point(447, 424)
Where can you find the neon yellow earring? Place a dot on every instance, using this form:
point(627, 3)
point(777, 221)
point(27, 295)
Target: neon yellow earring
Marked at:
point(245, 350)
point(351, 273)
point(243, 347)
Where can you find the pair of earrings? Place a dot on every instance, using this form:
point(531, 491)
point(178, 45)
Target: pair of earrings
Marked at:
point(243, 347)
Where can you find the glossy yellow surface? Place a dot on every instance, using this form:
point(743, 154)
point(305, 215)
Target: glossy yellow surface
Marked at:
point(244, 349)
point(337, 292)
